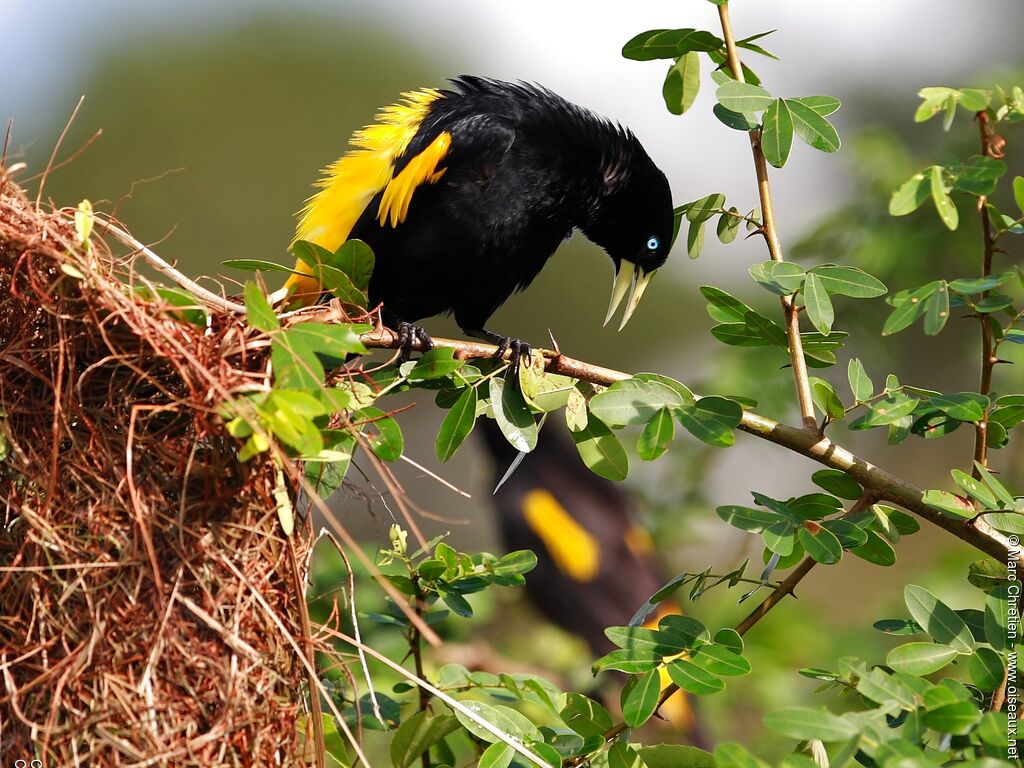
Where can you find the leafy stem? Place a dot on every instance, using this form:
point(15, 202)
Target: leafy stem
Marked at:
point(416, 649)
point(790, 310)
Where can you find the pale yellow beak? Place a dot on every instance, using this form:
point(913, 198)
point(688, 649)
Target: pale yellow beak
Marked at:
point(628, 275)
point(619, 285)
point(639, 286)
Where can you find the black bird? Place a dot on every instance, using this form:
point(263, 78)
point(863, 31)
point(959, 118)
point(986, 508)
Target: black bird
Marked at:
point(464, 194)
point(595, 565)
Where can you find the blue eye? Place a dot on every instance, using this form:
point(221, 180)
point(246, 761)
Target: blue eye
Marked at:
point(653, 243)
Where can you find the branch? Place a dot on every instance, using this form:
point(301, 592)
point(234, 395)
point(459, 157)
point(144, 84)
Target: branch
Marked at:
point(988, 353)
point(877, 482)
point(771, 235)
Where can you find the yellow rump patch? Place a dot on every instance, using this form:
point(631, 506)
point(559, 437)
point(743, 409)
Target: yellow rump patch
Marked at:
point(349, 184)
point(576, 553)
point(422, 169)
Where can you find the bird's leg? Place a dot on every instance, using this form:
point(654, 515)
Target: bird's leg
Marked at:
point(519, 348)
point(408, 337)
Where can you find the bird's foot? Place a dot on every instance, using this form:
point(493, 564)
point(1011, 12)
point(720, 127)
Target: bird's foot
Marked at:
point(519, 348)
point(410, 336)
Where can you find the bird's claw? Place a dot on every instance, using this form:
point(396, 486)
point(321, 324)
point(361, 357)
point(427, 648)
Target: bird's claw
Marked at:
point(409, 336)
point(520, 349)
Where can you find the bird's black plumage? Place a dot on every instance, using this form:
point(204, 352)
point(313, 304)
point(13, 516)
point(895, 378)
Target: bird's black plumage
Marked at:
point(525, 168)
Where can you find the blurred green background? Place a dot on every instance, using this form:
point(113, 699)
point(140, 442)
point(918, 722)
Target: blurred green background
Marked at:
point(217, 117)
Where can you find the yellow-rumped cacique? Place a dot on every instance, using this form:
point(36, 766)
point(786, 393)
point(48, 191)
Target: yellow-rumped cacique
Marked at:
point(465, 193)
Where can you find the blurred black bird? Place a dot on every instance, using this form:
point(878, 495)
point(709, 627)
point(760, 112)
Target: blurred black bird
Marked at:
point(595, 565)
point(464, 194)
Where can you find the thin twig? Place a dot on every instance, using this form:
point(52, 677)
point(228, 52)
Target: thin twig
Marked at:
point(771, 236)
point(178, 277)
point(56, 149)
point(988, 353)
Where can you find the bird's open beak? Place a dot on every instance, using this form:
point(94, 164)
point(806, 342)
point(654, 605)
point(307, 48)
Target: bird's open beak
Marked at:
point(627, 275)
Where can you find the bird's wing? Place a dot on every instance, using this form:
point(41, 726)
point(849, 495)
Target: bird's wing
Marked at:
point(475, 145)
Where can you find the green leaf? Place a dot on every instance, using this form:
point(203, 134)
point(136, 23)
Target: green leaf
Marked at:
point(695, 240)
point(498, 755)
point(600, 450)
point(814, 129)
point(692, 679)
point(780, 277)
point(777, 133)
point(908, 307)
point(435, 364)
point(512, 415)
point(355, 258)
point(882, 688)
point(748, 518)
point(822, 544)
point(723, 307)
point(986, 669)
point(977, 176)
point(948, 503)
point(258, 311)
point(936, 310)
point(634, 401)
point(938, 619)
point(711, 419)
point(743, 97)
point(910, 196)
point(732, 755)
point(888, 410)
point(657, 435)
point(956, 718)
point(849, 281)
point(997, 618)
point(780, 538)
point(943, 202)
point(646, 639)
point(642, 700)
point(1018, 192)
point(704, 208)
point(819, 305)
point(975, 489)
point(719, 660)
point(877, 550)
point(738, 121)
point(676, 755)
point(729, 226)
point(823, 105)
point(255, 265)
point(669, 43)
point(632, 661)
point(860, 383)
point(837, 483)
point(824, 396)
point(682, 83)
point(505, 719)
point(981, 284)
point(457, 425)
point(806, 723)
point(388, 442)
point(621, 755)
point(962, 406)
point(417, 734)
point(920, 658)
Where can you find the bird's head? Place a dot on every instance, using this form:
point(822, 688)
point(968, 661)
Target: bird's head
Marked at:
point(632, 221)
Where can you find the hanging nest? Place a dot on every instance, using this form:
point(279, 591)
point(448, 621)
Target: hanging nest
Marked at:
point(150, 605)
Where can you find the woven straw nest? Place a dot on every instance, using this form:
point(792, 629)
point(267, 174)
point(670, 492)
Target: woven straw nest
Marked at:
point(149, 607)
